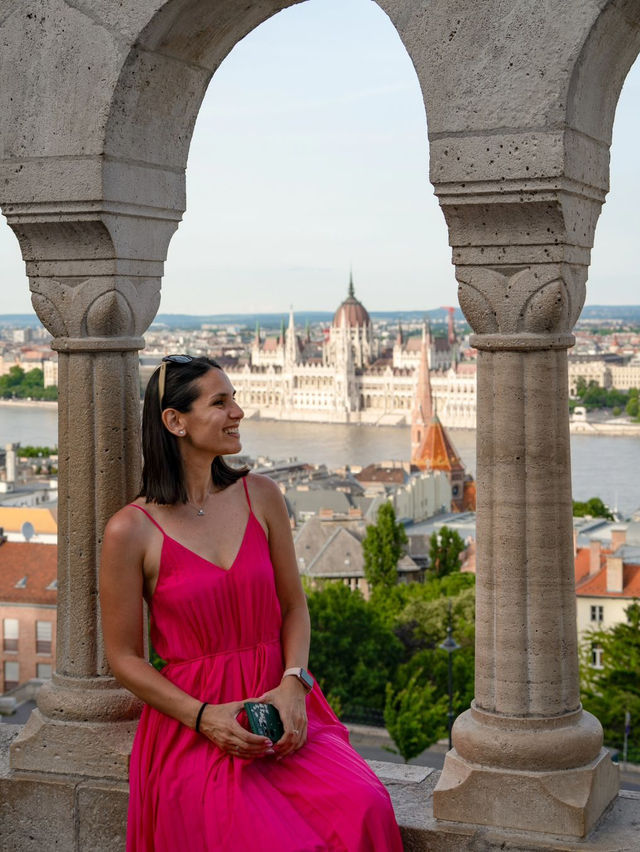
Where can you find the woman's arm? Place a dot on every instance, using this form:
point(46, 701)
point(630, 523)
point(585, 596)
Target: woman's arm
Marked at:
point(127, 540)
point(289, 696)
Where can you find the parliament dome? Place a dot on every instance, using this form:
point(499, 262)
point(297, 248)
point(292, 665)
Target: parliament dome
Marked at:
point(351, 313)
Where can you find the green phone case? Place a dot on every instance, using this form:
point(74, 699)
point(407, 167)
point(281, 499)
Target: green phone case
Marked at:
point(264, 720)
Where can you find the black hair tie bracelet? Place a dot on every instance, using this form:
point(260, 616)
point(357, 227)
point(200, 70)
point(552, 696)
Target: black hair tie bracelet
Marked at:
point(199, 716)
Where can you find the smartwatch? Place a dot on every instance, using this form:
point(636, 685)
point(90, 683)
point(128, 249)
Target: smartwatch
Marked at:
point(303, 676)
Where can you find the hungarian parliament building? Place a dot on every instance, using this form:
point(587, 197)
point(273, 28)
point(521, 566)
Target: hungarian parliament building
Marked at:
point(346, 378)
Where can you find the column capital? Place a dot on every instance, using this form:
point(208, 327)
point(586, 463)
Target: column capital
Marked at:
point(522, 308)
point(95, 313)
point(94, 275)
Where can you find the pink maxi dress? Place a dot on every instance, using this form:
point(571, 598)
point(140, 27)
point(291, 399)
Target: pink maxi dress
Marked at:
point(219, 630)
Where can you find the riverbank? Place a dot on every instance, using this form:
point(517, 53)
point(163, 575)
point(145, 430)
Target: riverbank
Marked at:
point(609, 428)
point(50, 404)
point(605, 428)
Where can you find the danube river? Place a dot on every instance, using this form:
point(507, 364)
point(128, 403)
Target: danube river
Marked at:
point(607, 467)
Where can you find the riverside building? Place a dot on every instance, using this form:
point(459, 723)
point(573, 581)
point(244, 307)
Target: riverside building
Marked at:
point(346, 378)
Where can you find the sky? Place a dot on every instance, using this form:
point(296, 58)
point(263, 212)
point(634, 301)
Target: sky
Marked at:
point(310, 158)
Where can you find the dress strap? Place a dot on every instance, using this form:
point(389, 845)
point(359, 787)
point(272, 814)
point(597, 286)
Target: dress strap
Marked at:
point(144, 511)
point(246, 491)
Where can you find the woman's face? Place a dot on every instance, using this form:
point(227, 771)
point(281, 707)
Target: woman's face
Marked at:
point(213, 421)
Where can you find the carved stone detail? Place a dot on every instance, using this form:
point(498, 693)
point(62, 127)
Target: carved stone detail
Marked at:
point(96, 307)
point(49, 314)
point(109, 315)
point(533, 300)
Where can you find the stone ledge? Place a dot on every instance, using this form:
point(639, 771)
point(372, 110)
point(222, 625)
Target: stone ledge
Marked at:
point(617, 830)
point(75, 814)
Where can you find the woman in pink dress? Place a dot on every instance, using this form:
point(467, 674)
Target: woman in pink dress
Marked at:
point(210, 550)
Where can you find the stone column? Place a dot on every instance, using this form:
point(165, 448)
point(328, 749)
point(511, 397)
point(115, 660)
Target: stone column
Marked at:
point(525, 755)
point(96, 306)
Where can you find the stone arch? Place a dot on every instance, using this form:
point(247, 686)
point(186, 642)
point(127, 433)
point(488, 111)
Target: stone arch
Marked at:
point(599, 72)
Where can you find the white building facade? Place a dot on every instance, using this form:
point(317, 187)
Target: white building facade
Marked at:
point(344, 379)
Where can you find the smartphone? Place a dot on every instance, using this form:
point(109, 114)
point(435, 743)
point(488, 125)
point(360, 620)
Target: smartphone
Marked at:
point(264, 720)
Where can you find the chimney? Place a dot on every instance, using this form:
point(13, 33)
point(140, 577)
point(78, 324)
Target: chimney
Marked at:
point(10, 463)
point(618, 538)
point(614, 574)
point(594, 557)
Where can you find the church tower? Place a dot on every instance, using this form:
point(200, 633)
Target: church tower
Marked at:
point(423, 404)
point(431, 447)
point(291, 343)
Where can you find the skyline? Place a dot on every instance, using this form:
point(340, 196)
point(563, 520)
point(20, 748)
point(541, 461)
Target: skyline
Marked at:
point(310, 158)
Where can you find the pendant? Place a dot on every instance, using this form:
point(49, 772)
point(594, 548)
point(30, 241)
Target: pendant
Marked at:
point(201, 511)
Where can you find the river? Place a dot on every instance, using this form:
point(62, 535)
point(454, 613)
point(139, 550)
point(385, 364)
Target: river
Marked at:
point(607, 467)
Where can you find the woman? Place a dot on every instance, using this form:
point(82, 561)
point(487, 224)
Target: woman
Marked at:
point(210, 550)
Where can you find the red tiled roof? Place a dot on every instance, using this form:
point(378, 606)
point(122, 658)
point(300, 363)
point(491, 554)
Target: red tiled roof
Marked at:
point(581, 564)
point(596, 586)
point(36, 562)
point(437, 451)
point(375, 473)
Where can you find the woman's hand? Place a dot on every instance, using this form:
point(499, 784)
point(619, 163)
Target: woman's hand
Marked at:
point(289, 698)
point(219, 724)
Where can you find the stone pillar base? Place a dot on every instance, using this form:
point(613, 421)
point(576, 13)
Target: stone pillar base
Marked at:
point(566, 802)
point(94, 749)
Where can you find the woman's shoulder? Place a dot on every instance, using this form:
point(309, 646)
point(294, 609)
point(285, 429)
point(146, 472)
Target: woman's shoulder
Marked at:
point(262, 484)
point(129, 523)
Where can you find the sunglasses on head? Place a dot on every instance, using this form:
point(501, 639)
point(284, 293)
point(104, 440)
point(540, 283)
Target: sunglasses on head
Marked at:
point(162, 375)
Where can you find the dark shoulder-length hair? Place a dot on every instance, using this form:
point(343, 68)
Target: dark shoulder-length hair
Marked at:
point(162, 469)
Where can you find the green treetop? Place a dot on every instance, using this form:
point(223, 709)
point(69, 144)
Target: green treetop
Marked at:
point(383, 545)
point(610, 674)
point(592, 508)
point(445, 548)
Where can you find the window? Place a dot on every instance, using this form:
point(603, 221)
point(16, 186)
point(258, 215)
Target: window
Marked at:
point(44, 633)
point(596, 657)
point(597, 613)
point(11, 675)
point(43, 670)
point(10, 634)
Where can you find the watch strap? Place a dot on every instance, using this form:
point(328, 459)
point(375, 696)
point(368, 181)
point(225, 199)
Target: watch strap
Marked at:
point(303, 676)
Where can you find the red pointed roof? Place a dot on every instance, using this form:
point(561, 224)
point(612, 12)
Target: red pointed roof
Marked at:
point(437, 451)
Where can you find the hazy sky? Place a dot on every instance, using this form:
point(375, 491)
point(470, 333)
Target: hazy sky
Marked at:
point(310, 156)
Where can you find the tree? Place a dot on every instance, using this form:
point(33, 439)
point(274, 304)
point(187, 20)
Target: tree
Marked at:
point(414, 717)
point(592, 508)
point(353, 653)
point(382, 547)
point(17, 383)
point(613, 689)
point(445, 548)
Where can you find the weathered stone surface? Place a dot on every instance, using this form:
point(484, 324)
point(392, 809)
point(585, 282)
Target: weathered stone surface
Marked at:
point(97, 749)
point(617, 830)
point(101, 816)
point(8, 733)
point(565, 802)
point(36, 813)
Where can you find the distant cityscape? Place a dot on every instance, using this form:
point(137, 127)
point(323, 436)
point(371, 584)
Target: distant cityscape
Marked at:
point(353, 366)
